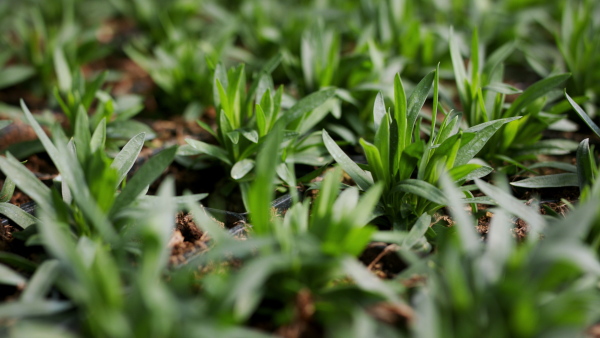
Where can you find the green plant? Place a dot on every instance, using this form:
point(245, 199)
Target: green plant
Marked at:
point(579, 43)
point(408, 166)
point(482, 94)
point(75, 95)
point(47, 34)
point(471, 285)
point(246, 116)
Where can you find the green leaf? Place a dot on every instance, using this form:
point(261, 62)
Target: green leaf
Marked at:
point(416, 100)
point(8, 189)
point(367, 281)
point(534, 92)
point(502, 88)
point(63, 73)
point(99, 137)
point(586, 165)
point(10, 277)
point(125, 130)
point(25, 180)
point(209, 149)
point(42, 280)
point(585, 117)
point(465, 223)
point(421, 189)
point(375, 164)
point(241, 168)
point(548, 181)
point(483, 132)
point(460, 74)
point(16, 74)
point(126, 158)
point(18, 261)
point(417, 231)
point(262, 191)
point(308, 103)
point(246, 292)
point(514, 206)
point(378, 110)
point(547, 147)
point(17, 215)
point(362, 179)
point(147, 174)
point(467, 172)
point(82, 136)
point(31, 309)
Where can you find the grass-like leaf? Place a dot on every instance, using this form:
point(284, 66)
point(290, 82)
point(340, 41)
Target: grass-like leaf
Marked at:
point(417, 231)
point(422, 189)
point(464, 222)
point(483, 132)
point(363, 179)
point(515, 207)
point(534, 92)
point(17, 215)
point(31, 309)
point(25, 180)
point(41, 281)
point(10, 277)
point(149, 172)
point(309, 103)
point(548, 181)
point(126, 158)
point(210, 150)
point(241, 168)
point(586, 165)
point(585, 117)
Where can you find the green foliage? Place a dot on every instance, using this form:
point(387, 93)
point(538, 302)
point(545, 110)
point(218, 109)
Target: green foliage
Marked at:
point(482, 94)
point(246, 116)
point(408, 166)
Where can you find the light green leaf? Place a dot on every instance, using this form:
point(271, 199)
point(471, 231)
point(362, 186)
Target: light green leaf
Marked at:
point(16, 74)
point(421, 189)
point(63, 73)
point(147, 174)
point(209, 149)
point(25, 180)
point(98, 137)
point(17, 215)
point(548, 181)
point(417, 231)
point(308, 103)
point(31, 309)
point(534, 92)
point(8, 189)
point(126, 158)
point(378, 110)
point(42, 280)
point(502, 88)
point(514, 206)
point(241, 168)
point(465, 223)
point(586, 165)
point(483, 132)
point(10, 277)
point(362, 179)
point(416, 100)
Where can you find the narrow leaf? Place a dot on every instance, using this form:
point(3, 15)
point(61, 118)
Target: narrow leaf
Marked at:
point(362, 179)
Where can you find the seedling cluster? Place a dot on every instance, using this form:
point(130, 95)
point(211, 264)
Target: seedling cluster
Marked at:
point(377, 168)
